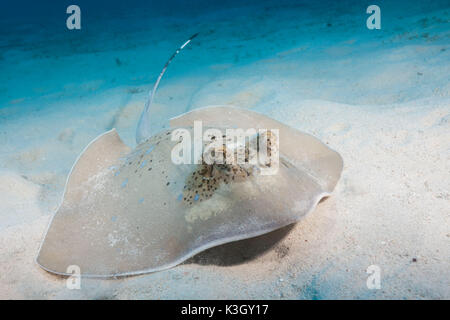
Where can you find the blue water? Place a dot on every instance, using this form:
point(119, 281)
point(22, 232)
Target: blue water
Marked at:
point(258, 54)
point(127, 42)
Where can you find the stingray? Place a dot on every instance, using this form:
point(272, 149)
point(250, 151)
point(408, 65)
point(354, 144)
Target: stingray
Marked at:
point(131, 211)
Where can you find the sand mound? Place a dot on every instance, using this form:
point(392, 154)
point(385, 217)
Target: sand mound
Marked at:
point(20, 199)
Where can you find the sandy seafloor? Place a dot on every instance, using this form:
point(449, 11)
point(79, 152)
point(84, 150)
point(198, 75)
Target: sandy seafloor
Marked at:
point(380, 98)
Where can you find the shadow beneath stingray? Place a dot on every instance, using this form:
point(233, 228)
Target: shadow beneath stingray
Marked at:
point(323, 199)
point(239, 252)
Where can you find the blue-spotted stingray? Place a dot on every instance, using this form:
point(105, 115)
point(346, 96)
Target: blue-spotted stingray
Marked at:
point(128, 212)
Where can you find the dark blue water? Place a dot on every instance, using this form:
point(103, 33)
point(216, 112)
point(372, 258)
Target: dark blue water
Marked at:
point(127, 42)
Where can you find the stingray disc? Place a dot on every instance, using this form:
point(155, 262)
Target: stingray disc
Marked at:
point(134, 211)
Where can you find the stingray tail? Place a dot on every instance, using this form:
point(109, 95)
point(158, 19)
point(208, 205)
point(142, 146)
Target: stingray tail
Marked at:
point(144, 129)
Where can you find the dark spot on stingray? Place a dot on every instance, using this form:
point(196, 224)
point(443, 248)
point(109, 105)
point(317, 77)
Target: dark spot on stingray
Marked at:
point(149, 169)
point(167, 183)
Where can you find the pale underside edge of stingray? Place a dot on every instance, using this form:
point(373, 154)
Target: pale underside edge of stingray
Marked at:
point(127, 212)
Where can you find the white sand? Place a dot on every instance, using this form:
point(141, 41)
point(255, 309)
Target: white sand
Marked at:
point(391, 208)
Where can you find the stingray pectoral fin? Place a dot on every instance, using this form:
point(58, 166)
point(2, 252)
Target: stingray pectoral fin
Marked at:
point(306, 152)
point(101, 153)
point(97, 158)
